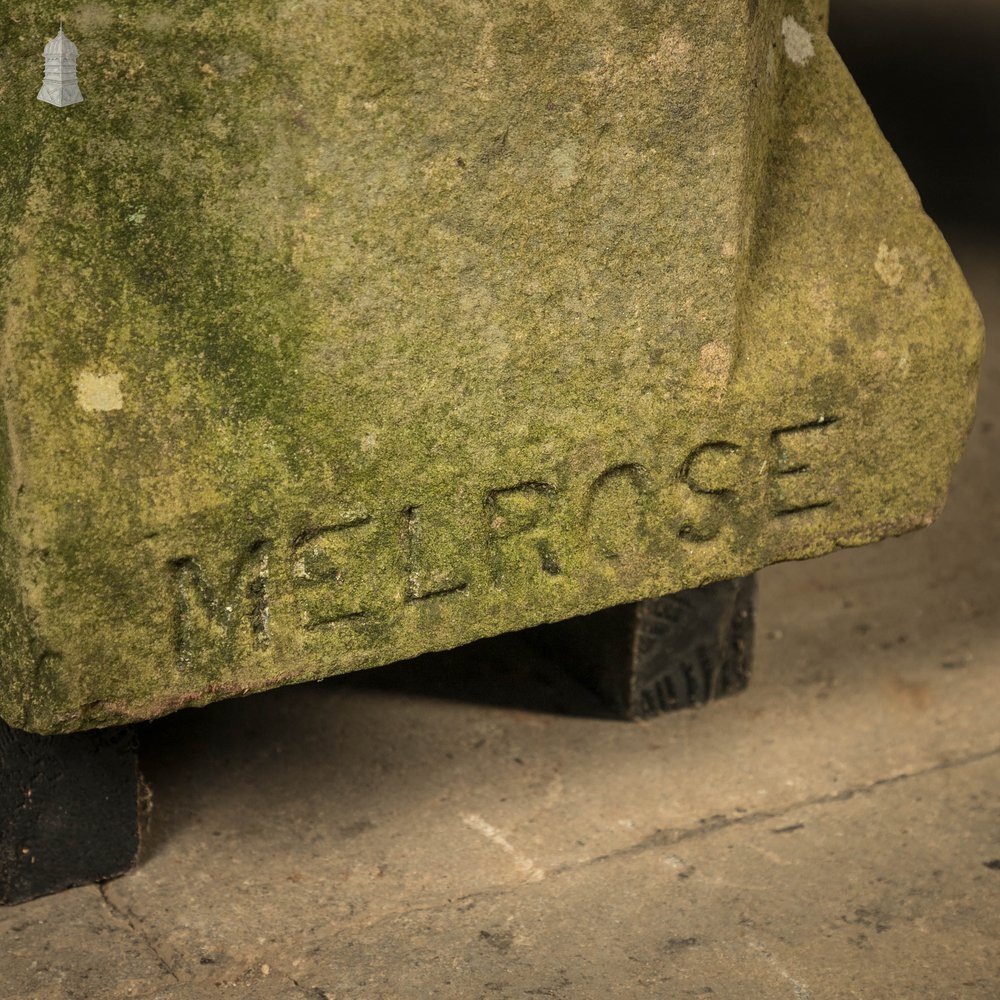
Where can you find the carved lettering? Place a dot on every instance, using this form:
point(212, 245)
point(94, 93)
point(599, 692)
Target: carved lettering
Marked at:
point(417, 586)
point(710, 472)
point(329, 573)
point(208, 616)
point(794, 486)
point(364, 569)
point(616, 509)
point(518, 513)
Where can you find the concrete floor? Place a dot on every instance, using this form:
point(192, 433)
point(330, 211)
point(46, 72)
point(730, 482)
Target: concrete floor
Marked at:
point(461, 829)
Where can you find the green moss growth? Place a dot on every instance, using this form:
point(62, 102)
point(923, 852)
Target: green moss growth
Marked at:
point(335, 334)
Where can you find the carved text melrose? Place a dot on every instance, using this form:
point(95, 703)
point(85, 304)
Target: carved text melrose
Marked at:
point(337, 575)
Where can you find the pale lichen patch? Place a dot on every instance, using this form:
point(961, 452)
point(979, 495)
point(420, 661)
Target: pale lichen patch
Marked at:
point(91, 17)
point(156, 21)
point(888, 265)
point(672, 55)
point(565, 164)
point(99, 391)
point(798, 42)
point(715, 364)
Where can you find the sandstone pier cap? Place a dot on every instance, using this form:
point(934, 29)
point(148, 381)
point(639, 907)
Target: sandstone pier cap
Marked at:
point(335, 334)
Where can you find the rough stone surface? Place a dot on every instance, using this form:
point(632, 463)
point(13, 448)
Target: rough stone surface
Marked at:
point(337, 333)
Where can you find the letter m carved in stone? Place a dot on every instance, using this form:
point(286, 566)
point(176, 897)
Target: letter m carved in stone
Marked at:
point(210, 619)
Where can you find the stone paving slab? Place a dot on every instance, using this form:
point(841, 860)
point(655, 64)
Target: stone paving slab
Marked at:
point(875, 894)
point(73, 947)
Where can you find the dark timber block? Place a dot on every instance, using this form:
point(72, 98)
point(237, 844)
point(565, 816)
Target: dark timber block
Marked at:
point(69, 810)
point(662, 654)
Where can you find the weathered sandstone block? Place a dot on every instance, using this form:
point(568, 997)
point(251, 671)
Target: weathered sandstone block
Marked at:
point(338, 332)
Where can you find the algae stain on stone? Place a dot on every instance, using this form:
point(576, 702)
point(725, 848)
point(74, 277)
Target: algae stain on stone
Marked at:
point(99, 392)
